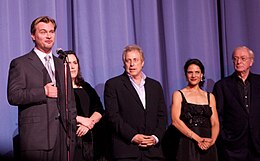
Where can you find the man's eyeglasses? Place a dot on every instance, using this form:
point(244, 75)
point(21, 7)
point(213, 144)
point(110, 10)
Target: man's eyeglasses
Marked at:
point(243, 59)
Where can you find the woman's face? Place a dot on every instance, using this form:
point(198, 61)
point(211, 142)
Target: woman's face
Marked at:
point(74, 66)
point(194, 75)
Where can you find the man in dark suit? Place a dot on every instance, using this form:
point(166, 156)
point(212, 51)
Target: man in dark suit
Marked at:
point(135, 107)
point(36, 86)
point(238, 104)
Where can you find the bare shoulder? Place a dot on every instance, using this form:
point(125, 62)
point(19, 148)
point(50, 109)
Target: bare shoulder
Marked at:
point(176, 100)
point(212, 100)
point(211, 95)
point(176, 97)
point(176, 93)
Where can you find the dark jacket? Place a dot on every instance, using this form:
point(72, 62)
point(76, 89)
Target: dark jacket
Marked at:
point(128, 117)
point(236, 123)
point(38, 116)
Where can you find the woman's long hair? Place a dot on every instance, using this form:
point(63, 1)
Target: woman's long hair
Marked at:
point(79, 80)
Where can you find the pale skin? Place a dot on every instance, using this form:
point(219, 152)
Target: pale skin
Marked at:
point(133, 63)
point(243, 59)
point(84, 123)
point(44, 38)
point(194, 94)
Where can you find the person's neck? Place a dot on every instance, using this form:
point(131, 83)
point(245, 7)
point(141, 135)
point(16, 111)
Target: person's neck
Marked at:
point(73, 84)
point(243, 75)
point(44, 51)
point(137, 79)
point(191, 88)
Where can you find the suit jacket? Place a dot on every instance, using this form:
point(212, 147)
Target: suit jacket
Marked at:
point(125, 112)
point(236, 123)
point(39, 117)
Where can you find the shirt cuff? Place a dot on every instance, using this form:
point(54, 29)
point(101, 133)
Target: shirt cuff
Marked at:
point(156, 139)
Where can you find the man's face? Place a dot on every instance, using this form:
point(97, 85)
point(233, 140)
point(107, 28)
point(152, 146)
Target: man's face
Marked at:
point(242, 60)
point(44, 36)
point(133, 63)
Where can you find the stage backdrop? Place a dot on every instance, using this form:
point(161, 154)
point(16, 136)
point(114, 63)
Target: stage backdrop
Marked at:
point(169, 31)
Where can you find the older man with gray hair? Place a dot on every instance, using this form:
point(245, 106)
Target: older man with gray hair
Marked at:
point(238, 104)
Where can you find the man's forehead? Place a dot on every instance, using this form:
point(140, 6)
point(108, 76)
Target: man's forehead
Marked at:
point(241, 52)
point(133, 53)
point(43, 25)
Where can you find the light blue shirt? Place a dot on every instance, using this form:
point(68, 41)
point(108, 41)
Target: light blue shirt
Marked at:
point(140, 88)
point(141, 93)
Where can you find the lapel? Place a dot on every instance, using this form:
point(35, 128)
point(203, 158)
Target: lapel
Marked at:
point(35, 61)
point(148, 93)
point(37, 64)
point(59, 76)
point(127, 83)
point(58, 71)
point(254, 93)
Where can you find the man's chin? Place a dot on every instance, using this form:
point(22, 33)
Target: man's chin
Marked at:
point(239, 70)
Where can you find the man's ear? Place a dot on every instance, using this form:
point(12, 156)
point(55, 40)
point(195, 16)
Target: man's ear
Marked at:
point(33, 37)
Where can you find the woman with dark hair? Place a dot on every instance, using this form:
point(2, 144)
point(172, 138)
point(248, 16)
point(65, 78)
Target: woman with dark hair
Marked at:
point(195, 117)
point(89, 111)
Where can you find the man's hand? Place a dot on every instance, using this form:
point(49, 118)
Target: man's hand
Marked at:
point(144, 140)
point(50, 90)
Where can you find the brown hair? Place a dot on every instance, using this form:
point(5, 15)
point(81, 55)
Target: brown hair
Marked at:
point(44, 19)
point(79, 80)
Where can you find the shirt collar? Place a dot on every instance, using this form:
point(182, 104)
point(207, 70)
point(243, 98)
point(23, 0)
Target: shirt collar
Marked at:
point(239, 79)
point(143, 77)
point(41, 54)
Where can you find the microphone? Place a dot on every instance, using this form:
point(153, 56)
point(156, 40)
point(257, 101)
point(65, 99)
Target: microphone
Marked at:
point(61, 53)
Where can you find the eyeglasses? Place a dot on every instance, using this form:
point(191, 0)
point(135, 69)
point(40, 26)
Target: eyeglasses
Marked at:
point(243, 59)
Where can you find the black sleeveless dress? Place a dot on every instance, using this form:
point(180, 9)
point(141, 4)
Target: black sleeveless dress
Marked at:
point(197, 118)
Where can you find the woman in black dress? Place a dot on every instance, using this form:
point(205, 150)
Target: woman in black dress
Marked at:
point(195, 116)
point(89, 112)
